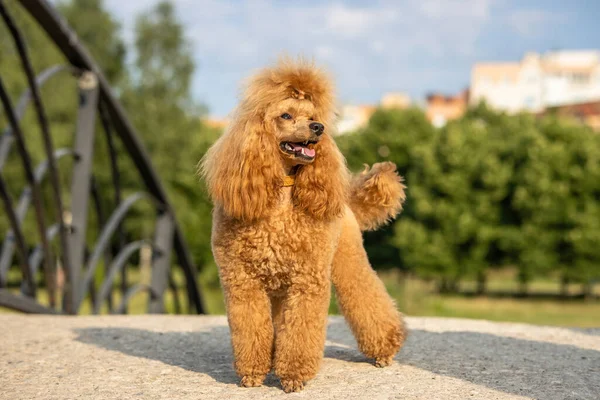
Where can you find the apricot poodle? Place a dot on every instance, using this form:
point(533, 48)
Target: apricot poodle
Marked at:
point(287, 223)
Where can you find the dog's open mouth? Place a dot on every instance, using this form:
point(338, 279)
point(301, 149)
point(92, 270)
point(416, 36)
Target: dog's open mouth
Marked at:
point(305, 150)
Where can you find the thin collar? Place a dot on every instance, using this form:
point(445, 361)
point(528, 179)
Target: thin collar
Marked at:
point(289, 180)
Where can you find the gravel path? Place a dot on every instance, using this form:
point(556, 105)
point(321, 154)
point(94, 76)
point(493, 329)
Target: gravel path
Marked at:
point(189, 357)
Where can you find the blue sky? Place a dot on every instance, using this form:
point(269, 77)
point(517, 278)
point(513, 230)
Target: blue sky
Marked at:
point(370, 47)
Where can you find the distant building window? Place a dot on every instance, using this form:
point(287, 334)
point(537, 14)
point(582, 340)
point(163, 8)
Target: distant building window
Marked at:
point(580, 78)
point(529, 102)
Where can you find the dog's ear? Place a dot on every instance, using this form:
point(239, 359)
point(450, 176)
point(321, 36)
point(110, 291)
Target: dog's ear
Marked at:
point(321, 188)
point(242, 172)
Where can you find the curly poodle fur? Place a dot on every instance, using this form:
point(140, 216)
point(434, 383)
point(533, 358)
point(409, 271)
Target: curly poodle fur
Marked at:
point(279, 248)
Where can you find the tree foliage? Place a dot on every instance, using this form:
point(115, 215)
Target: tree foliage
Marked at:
point(485, 191)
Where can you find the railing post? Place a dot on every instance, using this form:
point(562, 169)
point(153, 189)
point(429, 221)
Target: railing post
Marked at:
point(80, 184)
point(163, 241)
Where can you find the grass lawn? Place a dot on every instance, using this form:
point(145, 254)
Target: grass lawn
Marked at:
point(418, 298)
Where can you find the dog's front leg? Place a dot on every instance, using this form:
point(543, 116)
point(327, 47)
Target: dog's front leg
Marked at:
point(301, 332)
point(249, 315)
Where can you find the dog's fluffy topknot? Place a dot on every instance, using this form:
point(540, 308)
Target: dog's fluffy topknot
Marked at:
point(296, 78)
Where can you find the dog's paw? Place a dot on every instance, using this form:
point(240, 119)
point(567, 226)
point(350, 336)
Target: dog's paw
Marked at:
point(291, 385)
point(381, 362)
point(252, 380)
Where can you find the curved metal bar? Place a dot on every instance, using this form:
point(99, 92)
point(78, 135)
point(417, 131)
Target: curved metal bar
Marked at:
point(23, 304)
point(107, 232)
point(7, 137)
point(116, 266)
point(26, 160)
point(22, 207)
point(6, 142)
point(42, 168)
point(40, 80)
point(22, 249)
point(69, 44)
point(38, 253)
point(43, 122)
point(132, 291)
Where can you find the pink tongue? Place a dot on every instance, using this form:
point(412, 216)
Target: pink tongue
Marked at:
point(308, 152)
point(304, 150)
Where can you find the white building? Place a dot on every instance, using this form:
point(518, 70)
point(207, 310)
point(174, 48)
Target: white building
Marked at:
point(538, 81)
point(354, 117)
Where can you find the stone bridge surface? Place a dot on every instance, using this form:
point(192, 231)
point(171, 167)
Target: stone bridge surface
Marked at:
point(189, 357)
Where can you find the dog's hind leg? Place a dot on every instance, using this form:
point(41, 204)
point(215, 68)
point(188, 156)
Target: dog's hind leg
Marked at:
point(369, 310)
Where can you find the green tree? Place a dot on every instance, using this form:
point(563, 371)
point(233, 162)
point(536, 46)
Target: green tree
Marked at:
point(164, 60)
point(485, 191)
point(101, 34)
point(556, 197)
point(160, 104)
point(403, 137)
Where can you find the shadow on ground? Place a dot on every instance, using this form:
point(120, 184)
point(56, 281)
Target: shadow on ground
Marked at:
point(207, 352)
point(521, 367)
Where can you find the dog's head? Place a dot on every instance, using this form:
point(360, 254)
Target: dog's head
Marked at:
point(296, 129)
point(285, 119)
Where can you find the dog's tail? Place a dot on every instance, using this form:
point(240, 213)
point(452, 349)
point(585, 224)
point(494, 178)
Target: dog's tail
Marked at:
point(376, 195)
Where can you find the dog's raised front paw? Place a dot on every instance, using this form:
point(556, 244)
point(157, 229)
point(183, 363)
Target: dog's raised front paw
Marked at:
point(291, 385)
point(381, 362)
point(252, 380)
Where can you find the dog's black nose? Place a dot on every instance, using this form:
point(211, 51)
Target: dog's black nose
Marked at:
point(317, 128)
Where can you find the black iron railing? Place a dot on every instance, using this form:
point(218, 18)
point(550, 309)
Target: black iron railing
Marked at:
point(78, 259)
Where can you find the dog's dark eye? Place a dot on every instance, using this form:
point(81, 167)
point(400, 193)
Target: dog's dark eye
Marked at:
point(286, 116)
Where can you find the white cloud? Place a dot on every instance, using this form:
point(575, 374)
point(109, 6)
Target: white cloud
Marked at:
point(377, 46)
point(532, 22)
point(446, 9)
point(233, 30)
point(324, 51)
point(371, 47)
point(352, 22)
